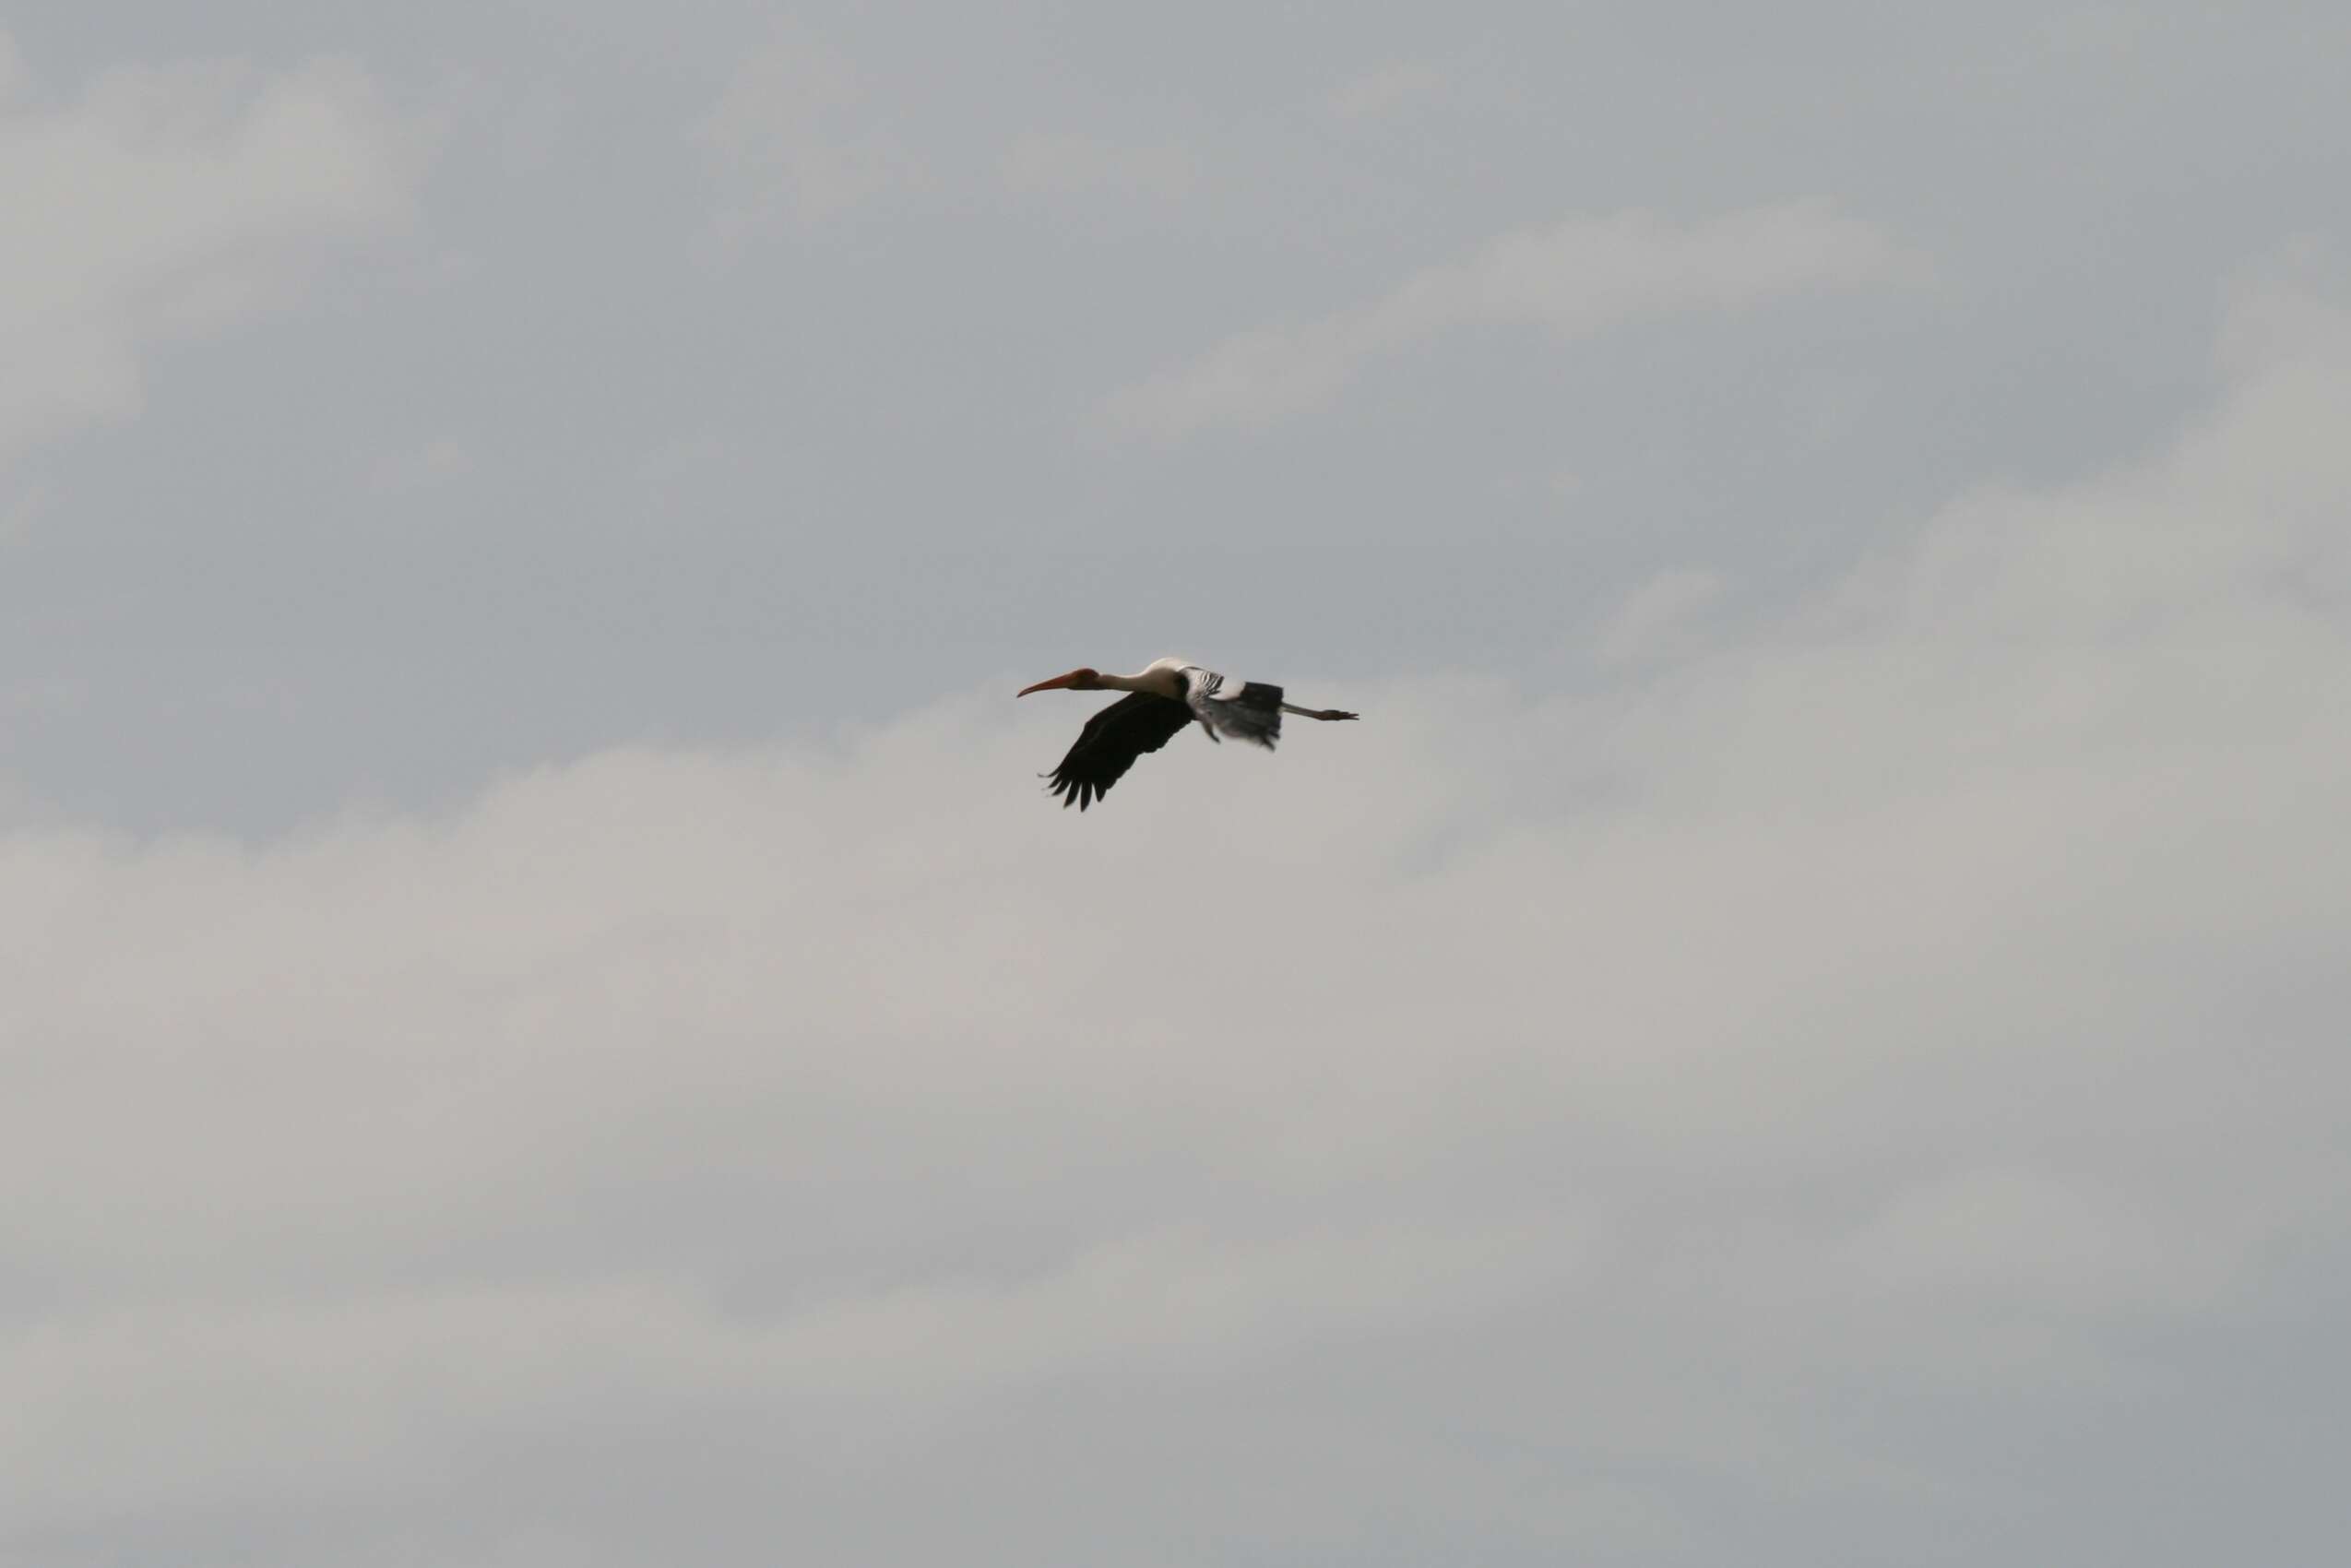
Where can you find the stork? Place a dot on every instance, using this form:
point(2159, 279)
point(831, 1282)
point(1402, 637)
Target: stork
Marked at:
point(1167, 695)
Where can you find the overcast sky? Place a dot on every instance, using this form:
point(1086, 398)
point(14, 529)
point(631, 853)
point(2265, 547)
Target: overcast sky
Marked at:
point(547, 1019)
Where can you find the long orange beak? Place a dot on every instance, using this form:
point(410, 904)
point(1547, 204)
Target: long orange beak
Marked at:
point(1059, 683)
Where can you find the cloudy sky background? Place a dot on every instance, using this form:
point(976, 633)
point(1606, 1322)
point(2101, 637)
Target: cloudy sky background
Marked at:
point(548, 1022)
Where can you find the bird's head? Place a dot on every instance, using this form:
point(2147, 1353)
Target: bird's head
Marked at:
point(1076, 681)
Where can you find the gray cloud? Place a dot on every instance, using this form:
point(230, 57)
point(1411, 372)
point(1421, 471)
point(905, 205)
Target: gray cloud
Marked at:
point(164, 203)
point(1571, 279)
point(794, 138)
point(402, 526)
point(1860, 1083)
point(1062, 164)
point(547, 1018)
point(1386, 88)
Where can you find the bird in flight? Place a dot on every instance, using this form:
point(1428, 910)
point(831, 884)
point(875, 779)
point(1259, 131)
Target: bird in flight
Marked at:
point(1168, 695)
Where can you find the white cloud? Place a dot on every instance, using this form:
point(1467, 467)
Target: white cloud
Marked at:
point(793, 139)
point(1572, 279)
point(1385, 90)
point(170, 202)
point(427, 467)
point(1655, 620)
point(1037, 164)
point(1683, 1124)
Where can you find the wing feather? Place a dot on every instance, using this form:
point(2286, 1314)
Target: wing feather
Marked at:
point(1110, 741)
point(1249, 711)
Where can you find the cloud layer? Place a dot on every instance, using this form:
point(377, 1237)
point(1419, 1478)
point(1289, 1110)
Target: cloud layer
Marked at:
point(1866, 1088)
point(165, 202)
point(795, 138)
point(1570, 280)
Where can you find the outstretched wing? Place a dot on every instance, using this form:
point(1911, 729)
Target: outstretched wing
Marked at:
point(1249, 711)
point(1110, 741)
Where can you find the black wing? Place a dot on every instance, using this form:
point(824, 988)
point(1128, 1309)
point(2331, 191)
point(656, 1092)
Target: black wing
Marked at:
point(1110, 741)
point(1246, 712)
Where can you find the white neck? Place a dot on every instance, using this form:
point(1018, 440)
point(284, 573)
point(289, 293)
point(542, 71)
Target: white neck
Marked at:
point(1159, 683)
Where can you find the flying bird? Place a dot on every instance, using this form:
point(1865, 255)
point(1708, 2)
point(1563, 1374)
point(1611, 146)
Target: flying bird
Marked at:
point(1168, 695)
